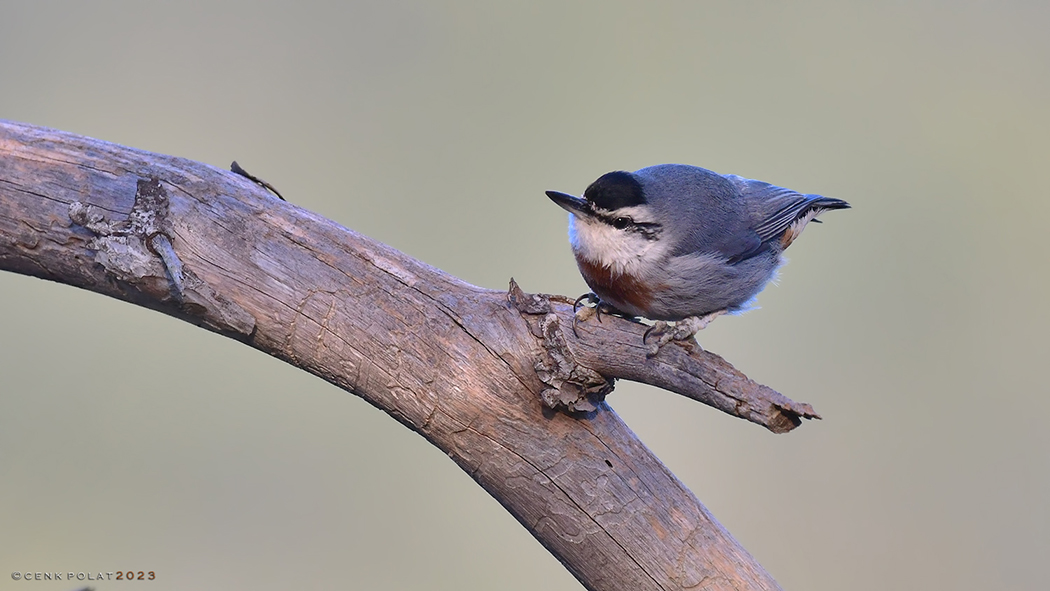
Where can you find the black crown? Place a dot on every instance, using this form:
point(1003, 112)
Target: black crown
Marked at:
point(614, 190)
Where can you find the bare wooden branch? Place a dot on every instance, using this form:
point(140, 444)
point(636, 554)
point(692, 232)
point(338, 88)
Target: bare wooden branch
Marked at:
point(475, 371)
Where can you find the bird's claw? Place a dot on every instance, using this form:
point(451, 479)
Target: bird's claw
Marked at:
point(588, 298)
point(591, 306)
point(594, 306)
point(683, 330)
point(583, 315)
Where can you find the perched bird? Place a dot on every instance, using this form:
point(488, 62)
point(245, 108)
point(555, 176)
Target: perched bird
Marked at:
point(680, 243)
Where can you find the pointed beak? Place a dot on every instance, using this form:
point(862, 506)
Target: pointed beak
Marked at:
point(571, 203)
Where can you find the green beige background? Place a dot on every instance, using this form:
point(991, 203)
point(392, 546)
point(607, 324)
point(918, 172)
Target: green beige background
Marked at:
point(915, 323)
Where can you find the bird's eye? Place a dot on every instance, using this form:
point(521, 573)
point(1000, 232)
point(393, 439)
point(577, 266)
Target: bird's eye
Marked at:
point(621, 223)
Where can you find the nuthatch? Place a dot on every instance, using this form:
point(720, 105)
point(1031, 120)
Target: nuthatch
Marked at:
point(681, 243)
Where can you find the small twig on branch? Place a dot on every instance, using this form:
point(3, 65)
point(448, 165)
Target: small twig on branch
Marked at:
point(234, 167)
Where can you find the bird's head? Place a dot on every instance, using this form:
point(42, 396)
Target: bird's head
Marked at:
point(613, 224)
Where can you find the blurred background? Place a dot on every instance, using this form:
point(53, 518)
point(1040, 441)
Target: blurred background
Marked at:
point(915, 323)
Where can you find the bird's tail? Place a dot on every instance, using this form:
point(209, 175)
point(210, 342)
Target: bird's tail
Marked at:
point(824, 203)
point(814, 206)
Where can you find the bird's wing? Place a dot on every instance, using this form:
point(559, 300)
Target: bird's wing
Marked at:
point(722, 229)
point(772, 211)
point(741, 218)
point(792, 208)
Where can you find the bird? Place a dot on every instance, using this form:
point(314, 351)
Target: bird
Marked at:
point(683, 244)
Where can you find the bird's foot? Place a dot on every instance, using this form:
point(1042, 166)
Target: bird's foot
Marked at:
point(582, 313)
point(590, 305)
point(683, 330)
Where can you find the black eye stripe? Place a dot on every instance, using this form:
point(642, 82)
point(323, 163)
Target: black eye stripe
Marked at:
point(621, 222)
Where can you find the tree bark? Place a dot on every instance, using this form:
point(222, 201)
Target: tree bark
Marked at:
point(499, 381)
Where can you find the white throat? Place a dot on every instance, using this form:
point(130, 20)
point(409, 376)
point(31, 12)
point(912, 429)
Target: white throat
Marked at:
point(621, 251)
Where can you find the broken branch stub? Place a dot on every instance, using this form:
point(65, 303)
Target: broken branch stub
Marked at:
point(581, 366)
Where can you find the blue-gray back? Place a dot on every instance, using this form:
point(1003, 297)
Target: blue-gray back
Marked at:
point(727, 215)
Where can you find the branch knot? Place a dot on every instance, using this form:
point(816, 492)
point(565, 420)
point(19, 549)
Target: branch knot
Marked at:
point(571, 386)
point(128, 249)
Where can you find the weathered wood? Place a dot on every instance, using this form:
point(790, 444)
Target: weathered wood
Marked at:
point(467, 368)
